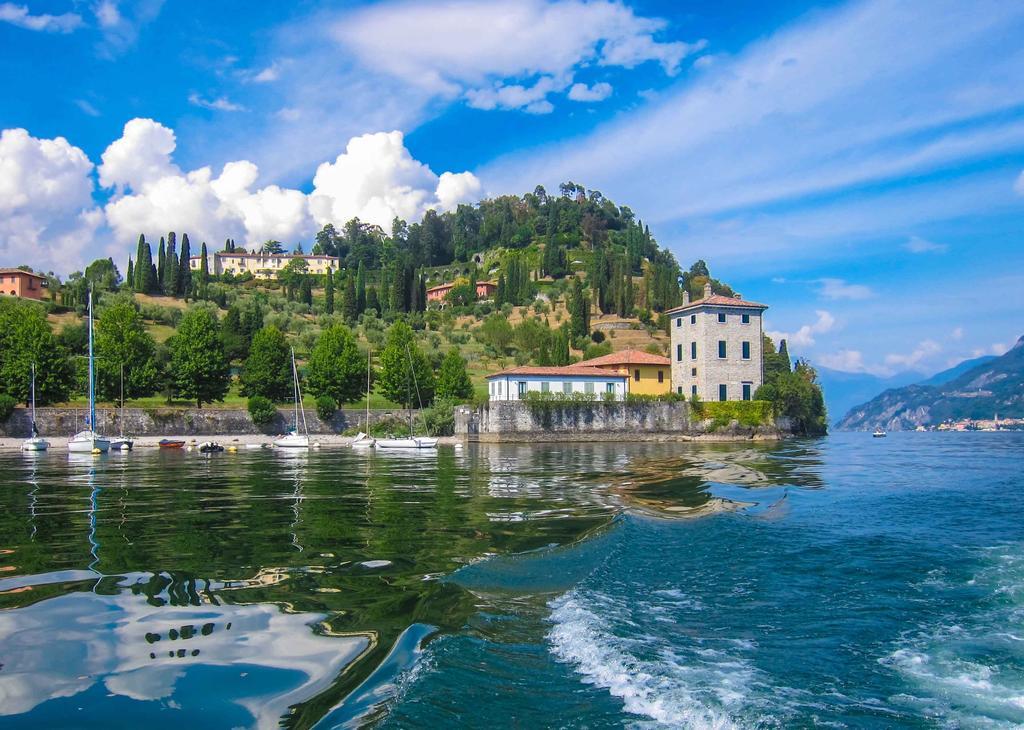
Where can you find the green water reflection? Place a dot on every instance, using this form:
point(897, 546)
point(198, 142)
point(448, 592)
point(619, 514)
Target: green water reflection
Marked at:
point(285, 580)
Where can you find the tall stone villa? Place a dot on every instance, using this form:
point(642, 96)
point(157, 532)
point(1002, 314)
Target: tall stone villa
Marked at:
point(716, 347)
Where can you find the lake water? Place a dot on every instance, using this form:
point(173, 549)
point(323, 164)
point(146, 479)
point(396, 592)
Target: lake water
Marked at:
point(847, 582)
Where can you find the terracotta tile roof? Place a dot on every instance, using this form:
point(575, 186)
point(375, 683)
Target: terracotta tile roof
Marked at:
point(627, 357)
point(22, 271)
point(717, 300)
point(555, 371)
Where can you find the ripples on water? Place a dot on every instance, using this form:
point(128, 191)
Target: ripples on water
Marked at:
point(842, 583)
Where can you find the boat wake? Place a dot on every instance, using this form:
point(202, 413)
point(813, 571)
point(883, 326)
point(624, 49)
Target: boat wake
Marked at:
point(967, 668)
point(704, 686)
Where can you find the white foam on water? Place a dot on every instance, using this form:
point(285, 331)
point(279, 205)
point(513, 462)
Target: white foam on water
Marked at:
point(706, 693)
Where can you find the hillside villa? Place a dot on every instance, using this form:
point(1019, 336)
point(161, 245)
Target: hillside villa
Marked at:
point(648, 374)
point(262, 265)
point(515, 383)
point(716, 347)
point(484, 290)
point(20, 283)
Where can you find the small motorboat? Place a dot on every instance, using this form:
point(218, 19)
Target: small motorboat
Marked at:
point(879, 434)
point(412, 442)
point(209, 447)
point(121, 443)
point(171, 443)
point(363, 441)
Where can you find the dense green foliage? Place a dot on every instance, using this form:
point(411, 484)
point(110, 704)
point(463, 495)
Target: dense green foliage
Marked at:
point(336, 367)
point(25, 338)
point(794, 394)
point(7, 404)
point(746, 412)
point(198, 364)
point(261, 410)
point(326, 407)
point(121, 341)
point(406, 375)
point(268, 369)
point(453, 381)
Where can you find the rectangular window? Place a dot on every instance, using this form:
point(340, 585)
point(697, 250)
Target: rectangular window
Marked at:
point(721, 349)
point(693, 372)
point(679, 321)
point(636, 375)
point(588, 387)
point(492, 388)
point(693, 350)
point(567, 387)
point(693, 319)
point(746, 350)
point(679, 352)
point(693, 390)
point(545, 386)
point(661, 376)
point(723, 392)
point(522, 388)
point(501, 388)
point(609, 387)
point(679, 390)
point(746, 391)
point(721, 317)
point(745, 319)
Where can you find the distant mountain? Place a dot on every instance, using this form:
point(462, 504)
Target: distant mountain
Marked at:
point(995, 385)
point(844, 390)
point(957, 370)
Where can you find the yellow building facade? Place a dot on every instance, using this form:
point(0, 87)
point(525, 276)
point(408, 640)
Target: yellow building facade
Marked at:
point(262, 265)
point(647, 374)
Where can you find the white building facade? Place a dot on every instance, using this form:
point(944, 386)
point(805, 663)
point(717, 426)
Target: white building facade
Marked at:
point(717, 347)
point(515, 383)
point(261, 265)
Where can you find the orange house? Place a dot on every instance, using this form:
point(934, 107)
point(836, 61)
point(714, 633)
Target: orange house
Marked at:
point(18, 283)
point(484, 290)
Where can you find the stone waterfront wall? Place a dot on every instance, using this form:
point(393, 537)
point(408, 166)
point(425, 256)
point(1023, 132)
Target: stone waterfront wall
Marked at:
point(598, 421)
point(58, 422)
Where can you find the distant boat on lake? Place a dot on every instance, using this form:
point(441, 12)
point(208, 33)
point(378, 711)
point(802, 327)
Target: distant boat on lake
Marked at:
point(35, 442)
point(88, 441)
point(879, 434)
point(293, 439)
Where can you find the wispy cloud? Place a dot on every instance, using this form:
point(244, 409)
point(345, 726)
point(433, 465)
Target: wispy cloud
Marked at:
point(87, 108)
point(598, 92)
point(121, 23)
point(20, 16)
point(914, 360)
point(221, 103)
point(1019, 185)
point(916, 244)
point(840, 289)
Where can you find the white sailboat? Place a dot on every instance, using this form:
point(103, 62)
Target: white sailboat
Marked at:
point(88, 441)
point(35, 443)
point(122, 442)
point(364, 440)
point(412, 441)
point(293, 439)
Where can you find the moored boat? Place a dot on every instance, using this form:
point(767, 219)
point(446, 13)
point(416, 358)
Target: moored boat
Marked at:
point(293, 439)
point(34, 442)
point(88, 441)
point(412, 442)
point(879, 434)
point(210, 447)
point(171, 443)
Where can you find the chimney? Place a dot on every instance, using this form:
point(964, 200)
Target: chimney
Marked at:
point(707, 290)
point(737, 296)
point(686, 297)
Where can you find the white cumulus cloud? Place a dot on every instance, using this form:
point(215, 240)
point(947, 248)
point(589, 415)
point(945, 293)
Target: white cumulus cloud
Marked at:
point(847, 361)
point(804, 337)
point(47, 216)
point(376, 179)
point(20, 16)
point(598, 92)
point(913, 360)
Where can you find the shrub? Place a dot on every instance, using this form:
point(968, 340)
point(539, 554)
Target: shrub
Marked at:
point(390, 426)
point(326, 407)
point(746, 412)
point(261, 410)
point(597, 336)
point(439, 419)
point(7, 404)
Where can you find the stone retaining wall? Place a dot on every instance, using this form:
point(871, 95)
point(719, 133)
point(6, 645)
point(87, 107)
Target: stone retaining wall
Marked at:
point(598, 421)
point(181, 421)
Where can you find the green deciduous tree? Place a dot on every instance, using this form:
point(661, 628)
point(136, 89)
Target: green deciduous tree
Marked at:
point(121, 340)
point(198, 364)
point(26, 338)
point(336, 368)
point(404, 369)
point(453, 381)
point(268, 369)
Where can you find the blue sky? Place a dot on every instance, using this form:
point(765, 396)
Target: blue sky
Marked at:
point(859, 166)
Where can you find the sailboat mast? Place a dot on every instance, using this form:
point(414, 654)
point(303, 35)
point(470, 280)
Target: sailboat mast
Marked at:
point(92, 383)
point(33, 399)
point(368, 390)
point(122, 399)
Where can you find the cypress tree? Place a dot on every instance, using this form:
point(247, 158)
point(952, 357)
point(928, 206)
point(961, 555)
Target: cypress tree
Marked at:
point(784, 361)
point(170, 278)
point(139, 281)
point(161, 260)
point(129, 277)
point(306, 290)
point(361, 289)
point(501, 295)
point(204, 268)
point(329, 292)
point(372, 300)
point(185, 268)
point(349, 301)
